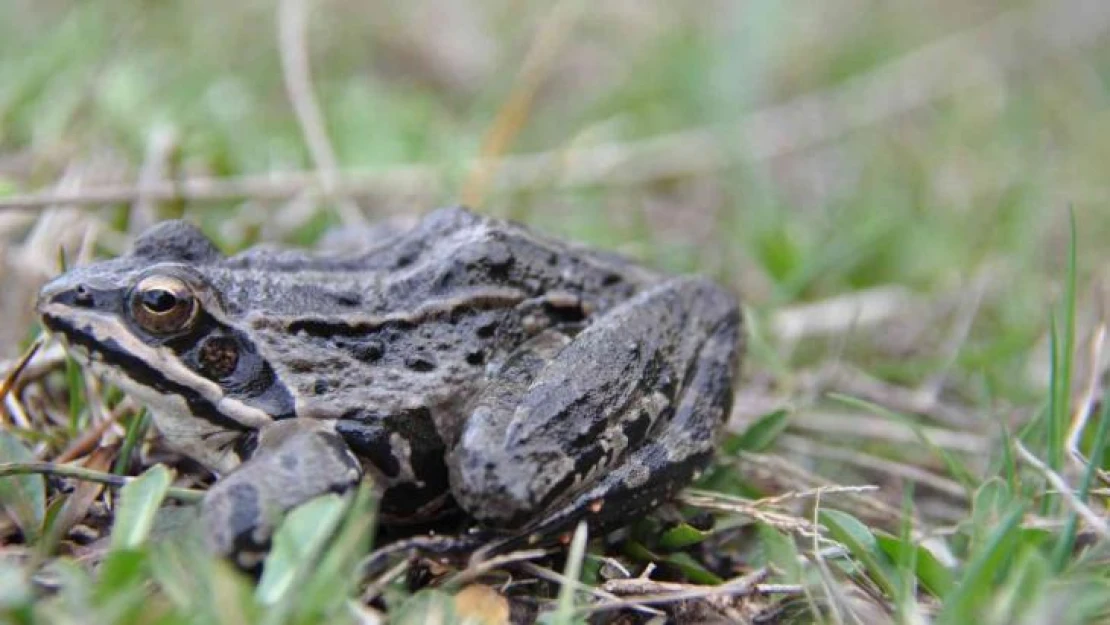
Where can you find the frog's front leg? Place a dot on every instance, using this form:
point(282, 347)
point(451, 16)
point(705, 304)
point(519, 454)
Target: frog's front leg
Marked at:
point(296, 460)
point(607, 426)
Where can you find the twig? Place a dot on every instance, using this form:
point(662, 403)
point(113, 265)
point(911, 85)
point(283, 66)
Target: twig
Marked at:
point(1097, 523)
point(559, 578)
point(921, 77)
point(376, 587)
point(650, 592)
point(89, 439)
point(295, 68)
point(820, 491)
point(13, 374)
point(185, 495)
point(475, 570)
point(777, 474)
point(731, 504)
point(1086, 403)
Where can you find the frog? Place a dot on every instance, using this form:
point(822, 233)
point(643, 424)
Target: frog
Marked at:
point(468, 364)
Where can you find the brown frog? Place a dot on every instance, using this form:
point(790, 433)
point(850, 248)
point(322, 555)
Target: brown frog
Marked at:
point(468, 362)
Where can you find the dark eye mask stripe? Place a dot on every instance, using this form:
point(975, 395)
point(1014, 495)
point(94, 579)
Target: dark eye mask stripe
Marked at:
point(142, 372)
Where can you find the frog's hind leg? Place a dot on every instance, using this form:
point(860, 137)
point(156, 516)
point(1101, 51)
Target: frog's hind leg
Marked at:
point(663, 466)
point(652, 379)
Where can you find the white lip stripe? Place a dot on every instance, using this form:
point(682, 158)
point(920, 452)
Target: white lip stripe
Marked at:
point(104, 328)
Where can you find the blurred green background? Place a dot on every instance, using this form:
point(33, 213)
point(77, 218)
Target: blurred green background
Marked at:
point(890, 186)
point(808, 149)
point(796, 151)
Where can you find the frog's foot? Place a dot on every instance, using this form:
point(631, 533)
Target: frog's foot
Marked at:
point(607, 427)
point(296, 460)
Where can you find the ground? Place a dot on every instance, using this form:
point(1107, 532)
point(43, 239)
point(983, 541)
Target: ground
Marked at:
point(910, 200)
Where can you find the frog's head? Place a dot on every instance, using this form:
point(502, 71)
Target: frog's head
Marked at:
point(151, 323)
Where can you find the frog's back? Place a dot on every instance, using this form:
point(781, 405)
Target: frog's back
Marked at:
point(415, 322)
point(452, 253)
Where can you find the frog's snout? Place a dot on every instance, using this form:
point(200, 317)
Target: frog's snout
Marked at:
point(67, 292)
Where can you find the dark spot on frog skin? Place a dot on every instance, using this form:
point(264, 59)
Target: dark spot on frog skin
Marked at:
point(368, 350)
point(486, 330)
point(565, 313)
point(636, 429)
point(498, 259)
point(476, 358)
point(289, 462)
point(349, 299)
point(320, 386)
point(369, 439)
point(420, 363)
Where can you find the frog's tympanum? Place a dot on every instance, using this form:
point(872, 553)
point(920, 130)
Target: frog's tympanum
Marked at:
point(467, 363)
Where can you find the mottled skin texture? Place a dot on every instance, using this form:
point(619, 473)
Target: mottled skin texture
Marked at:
point(465, 362)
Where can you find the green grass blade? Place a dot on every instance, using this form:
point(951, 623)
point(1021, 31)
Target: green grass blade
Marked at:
point(1066, 542)
point(862, 544)
point(135, 430)
point(759, 435)
point(975, 587)
point(297, 542)
point(564, 610)
point(139, 502)
point(929, 571)
point(22, 496)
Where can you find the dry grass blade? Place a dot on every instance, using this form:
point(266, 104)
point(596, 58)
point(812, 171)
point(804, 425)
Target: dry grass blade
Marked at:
point(1085, 406)
point(730, 504)
point(92, 436)
point(640, 592)
point(14, 372)
point(597, 593)
point(476, 569)
point(1096, 522)
point(77, 505)
point(379, 584)
point(777, 475)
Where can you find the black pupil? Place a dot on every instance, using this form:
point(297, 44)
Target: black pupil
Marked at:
point(159, 300)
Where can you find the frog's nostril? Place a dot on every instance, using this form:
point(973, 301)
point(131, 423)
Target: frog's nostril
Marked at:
point(83, 296)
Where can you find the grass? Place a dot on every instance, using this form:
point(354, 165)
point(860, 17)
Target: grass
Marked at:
point(911, 201)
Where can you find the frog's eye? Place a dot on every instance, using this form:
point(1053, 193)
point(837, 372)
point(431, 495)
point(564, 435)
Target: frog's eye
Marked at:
point(163, 304)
